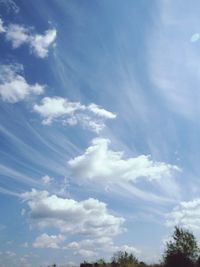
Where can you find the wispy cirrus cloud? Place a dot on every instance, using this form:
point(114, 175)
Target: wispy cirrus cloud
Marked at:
point(10, 5)
point(19, 35)
point(14, 87)
point(72, 113)
point(175, 73)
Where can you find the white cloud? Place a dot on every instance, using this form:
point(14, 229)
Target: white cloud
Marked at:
point(61, 109)
point(14, 87)
point(48, 241)
point(101, 112)
point(89, 248)
point(102, 165)
point(52, 108)
point(70, 216)
point(39, 43)
point(186, 214)
point(17, 35)
point(46, 180)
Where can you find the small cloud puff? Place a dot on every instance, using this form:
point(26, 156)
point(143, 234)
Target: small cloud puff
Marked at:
point(14, 87)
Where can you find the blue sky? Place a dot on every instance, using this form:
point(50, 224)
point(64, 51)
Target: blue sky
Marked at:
point(99, 128)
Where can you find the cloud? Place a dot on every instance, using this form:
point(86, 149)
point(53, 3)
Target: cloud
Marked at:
point(102, 244)
point(10, 5)
point(52, 108)
point(2, 29)
point(48, 241)
point(70, 216)
point(41, 43)
point(14, 87)
point(101, 112)
point(46, 180)
point(102, 165)
point(19, 35)
point(72, 113)
point(186, 214)
point(175, 74)
point(87, 254)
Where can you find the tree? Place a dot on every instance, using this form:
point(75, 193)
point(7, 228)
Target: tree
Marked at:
point(182, 249)
point(124, 259)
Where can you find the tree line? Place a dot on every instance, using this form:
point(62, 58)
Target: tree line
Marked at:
point(181, 250)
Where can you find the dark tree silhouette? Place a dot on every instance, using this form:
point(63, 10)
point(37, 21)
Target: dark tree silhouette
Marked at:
point(182, 250)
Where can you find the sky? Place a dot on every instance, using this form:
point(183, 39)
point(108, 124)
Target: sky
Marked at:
point(99, 128)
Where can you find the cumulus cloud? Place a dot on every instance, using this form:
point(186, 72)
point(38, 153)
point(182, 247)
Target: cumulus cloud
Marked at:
point(61, 109)
point(18, 35)
point(48, 241)
point(100, 164)
point(70, 216)
point(14, 87)
point(40, 43)
point(186, 214)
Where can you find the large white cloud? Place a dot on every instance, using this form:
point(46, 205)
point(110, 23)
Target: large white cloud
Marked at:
point(102, 168)
point(39, 43)
point(89, 217)
point(14, 87)
point(186, 214)
point(102, 165)
point(72, 113)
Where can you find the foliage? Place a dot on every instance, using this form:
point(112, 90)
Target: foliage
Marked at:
point(178, 259)
point(182, 249)
point(124, 259)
